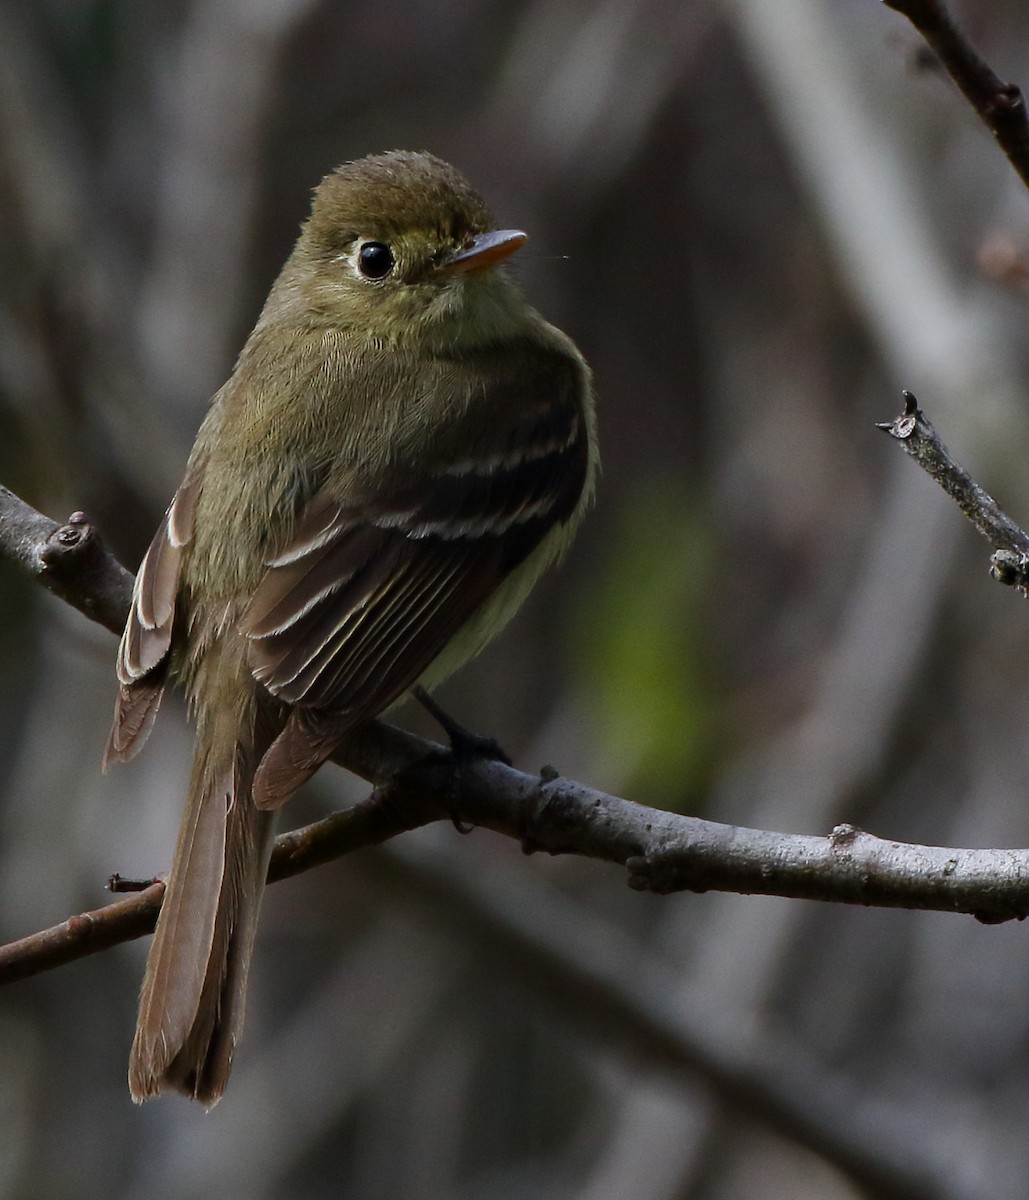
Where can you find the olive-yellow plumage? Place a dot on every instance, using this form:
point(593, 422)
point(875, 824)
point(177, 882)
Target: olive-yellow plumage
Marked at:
point(403, 447)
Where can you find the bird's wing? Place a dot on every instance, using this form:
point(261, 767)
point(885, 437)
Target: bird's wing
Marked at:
point(366, 595)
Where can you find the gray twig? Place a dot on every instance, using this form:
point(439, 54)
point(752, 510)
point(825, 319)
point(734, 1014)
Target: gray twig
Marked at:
point(1009, 541)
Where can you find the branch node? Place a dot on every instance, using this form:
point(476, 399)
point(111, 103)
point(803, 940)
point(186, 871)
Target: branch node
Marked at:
point(534, 811)
point(639, 873)
point(1006, 101)
point(80, 926)
point(1012, 569)
point(988, 916)
point(72, 544)
point(387, 797)
point(844, 835)
point(666, 871)
point(904, 426)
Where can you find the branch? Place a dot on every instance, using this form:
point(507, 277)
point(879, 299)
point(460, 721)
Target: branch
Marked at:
point(418, 782)
point(607, 984)
point(68, 559)
point(1010, 562)
point(366, 824)
point(1000, 105)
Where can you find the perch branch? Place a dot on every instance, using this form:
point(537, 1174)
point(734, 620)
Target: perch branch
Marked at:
point(415, 783)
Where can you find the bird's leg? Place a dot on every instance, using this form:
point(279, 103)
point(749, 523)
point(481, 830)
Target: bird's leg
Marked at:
point(465, 744)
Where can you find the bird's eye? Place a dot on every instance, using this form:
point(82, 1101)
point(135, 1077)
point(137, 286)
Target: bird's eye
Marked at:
point(375, 260)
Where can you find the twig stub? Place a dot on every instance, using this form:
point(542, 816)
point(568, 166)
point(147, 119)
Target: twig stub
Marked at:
point(915, 433)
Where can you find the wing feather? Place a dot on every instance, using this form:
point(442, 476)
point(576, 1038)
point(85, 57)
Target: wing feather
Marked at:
point(371, 589)
point(143, 651)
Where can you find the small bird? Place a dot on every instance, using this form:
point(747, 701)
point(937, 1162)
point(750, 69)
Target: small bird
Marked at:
point(403, 447)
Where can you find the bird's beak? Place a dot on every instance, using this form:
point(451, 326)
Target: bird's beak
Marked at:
point(486, 250)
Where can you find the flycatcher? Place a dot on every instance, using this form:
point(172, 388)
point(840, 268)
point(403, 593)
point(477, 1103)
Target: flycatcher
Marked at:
point(403, 447)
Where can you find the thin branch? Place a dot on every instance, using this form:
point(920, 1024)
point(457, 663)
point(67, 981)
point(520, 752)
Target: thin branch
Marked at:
point(81, 935)
point(366, 824)
point(1000, 105)
point(1010, 563)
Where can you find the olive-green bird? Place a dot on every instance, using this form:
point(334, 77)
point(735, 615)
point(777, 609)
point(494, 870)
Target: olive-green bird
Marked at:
point(403, 447)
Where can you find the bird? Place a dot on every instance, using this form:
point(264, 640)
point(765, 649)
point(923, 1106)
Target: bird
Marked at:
point(402, 448)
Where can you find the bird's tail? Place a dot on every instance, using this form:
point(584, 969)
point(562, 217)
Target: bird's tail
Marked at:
point(194, 992)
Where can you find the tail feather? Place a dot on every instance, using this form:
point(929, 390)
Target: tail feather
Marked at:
point(192, 1001)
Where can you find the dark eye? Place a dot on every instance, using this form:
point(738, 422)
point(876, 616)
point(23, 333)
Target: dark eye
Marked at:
point(375, 260)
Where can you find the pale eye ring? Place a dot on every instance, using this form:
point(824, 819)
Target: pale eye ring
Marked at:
point(375, 260)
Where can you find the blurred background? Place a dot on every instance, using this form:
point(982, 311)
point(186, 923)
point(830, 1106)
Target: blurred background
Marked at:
point(759, 221)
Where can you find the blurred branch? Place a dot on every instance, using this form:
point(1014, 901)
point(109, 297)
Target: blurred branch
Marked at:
point(214, 107)
point(1000, 105)
point(418, 782)
point(923, 443)
point(607, 983)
